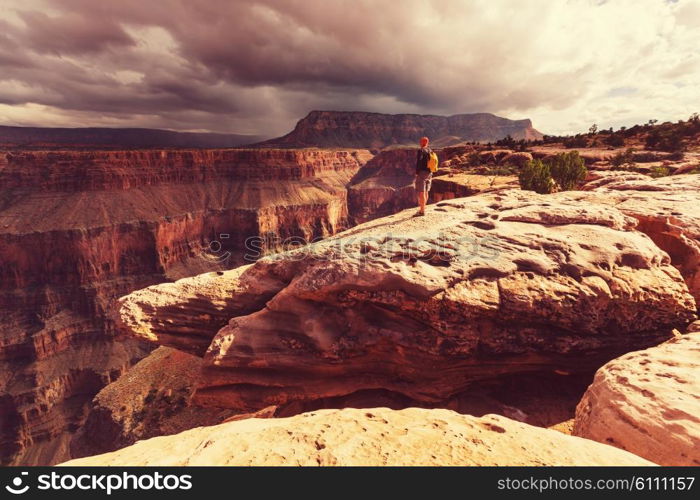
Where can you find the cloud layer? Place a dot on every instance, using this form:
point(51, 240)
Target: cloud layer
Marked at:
point(257, 67)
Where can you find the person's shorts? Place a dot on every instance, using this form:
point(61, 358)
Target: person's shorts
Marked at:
point(423, 181)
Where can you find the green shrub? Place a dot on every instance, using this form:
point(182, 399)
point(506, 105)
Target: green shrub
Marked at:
point(507, 142)
point(577, 141)
point(615, 140)
point(625, 159)
point(568, 170)
point(656, 172)
point(668, 138)
point(537, 177)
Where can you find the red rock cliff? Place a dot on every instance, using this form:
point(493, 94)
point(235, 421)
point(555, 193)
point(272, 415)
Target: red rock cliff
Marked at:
point(78, 229)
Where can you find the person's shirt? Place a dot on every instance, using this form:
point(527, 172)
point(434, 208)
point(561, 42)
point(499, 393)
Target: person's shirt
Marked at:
point(422, 157)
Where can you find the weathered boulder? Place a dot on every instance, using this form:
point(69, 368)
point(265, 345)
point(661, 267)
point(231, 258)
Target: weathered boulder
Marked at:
point(601, 178)
point(187, 314)
point(666, 210)
point(458, 185)
point(424, 306)
point(376, 436)
point(494, 156)
point(647, 402)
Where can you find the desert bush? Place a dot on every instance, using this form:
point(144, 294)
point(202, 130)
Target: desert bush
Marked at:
point(615, 140)
point(577, 141)
point(623, 159)
point(507, 142)
point(657, 172)
point(568, 170)
point(666, 138)
point(536, 176)
point(564, 171)
point(473, 159)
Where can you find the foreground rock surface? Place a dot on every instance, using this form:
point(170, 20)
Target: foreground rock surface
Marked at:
point(647, 402)
point(498, 284)
point(376, 436)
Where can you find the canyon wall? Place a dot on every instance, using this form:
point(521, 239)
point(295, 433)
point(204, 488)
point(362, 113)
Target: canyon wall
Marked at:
point(79, 229)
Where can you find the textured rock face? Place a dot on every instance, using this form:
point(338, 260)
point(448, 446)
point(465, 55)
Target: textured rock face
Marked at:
point(376, 436)
point(151, 399)
point(647, 402)
point(188, 313)
point(346, 129)
point(666, 210)
point(78, 229)
point(484, 286)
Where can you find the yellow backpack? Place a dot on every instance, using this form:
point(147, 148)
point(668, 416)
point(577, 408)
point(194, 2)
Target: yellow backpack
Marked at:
point(433, 162)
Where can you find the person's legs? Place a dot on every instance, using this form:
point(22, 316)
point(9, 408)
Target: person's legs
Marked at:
point(422, 198)
point(423, 182)
point(420, 185)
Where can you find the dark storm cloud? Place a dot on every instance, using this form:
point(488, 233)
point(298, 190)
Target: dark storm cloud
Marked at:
point(72, 33)
point(257, 67)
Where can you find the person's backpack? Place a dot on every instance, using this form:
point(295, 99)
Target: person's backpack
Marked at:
point(433, 162)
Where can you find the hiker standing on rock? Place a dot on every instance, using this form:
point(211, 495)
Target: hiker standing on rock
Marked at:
point(424, 173)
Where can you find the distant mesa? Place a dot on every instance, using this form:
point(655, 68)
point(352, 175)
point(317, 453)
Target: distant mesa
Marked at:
point(319, 129)
point(115, 138)
point(357, 129)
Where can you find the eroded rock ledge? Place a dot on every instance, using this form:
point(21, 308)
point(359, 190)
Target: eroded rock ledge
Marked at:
point(502, 283)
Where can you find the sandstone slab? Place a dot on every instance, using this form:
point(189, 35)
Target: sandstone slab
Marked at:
point(373, 437)
point(648, 402)
point(497, 284)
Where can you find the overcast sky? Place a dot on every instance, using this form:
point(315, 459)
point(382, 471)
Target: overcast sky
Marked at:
point(257, 67)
